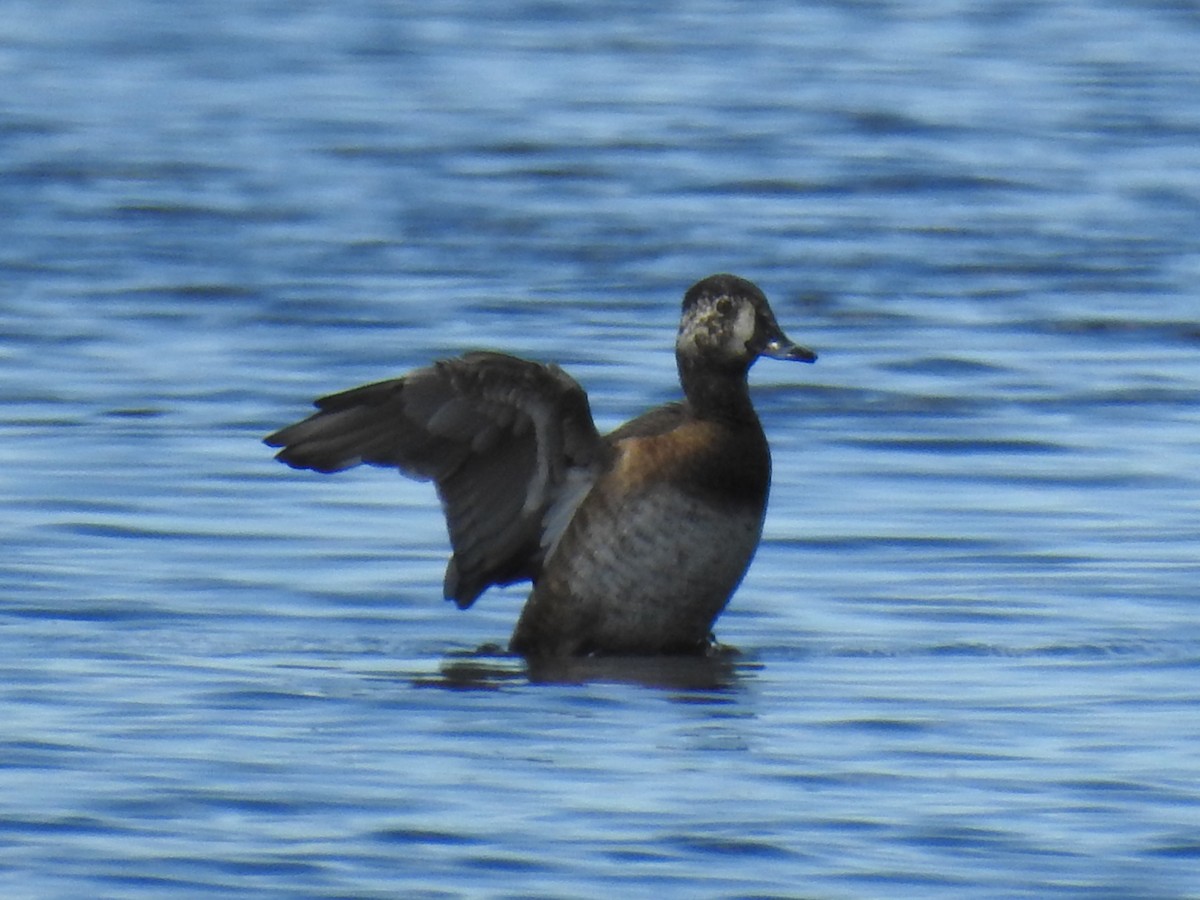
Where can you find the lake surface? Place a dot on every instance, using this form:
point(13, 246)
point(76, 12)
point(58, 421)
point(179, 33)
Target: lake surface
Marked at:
point(968, 653)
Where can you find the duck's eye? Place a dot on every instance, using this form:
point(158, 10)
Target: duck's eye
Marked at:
point(724, 306)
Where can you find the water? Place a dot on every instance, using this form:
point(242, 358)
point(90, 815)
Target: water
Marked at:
point(968, 646)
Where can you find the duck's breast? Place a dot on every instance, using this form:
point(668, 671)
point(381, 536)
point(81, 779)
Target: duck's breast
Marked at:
point(654, 551)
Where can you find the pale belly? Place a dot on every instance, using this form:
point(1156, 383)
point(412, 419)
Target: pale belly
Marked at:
point(648, 574)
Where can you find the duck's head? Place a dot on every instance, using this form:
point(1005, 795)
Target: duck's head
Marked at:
point(727, 324)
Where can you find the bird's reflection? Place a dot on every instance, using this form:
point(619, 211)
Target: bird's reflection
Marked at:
point(490, 667)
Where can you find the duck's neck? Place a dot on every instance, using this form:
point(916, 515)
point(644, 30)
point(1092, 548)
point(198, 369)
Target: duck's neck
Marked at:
point(716, 393)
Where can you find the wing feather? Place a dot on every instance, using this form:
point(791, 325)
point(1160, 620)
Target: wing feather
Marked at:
point(505, 440)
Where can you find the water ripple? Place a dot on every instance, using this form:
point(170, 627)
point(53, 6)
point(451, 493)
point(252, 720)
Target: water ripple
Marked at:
point(960, 666)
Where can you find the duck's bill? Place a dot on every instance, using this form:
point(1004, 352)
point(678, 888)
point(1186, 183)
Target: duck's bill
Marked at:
point(781, 348)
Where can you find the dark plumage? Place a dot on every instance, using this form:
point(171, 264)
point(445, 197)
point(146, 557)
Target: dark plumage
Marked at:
point(635, 540)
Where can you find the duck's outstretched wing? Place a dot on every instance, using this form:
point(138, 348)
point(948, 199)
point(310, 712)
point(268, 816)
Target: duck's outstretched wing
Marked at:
point(508, 443)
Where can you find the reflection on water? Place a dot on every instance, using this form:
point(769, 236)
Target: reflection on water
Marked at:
point(490, 667)
point(969, 638)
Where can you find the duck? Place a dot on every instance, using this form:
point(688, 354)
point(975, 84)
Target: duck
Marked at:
point(634, 541)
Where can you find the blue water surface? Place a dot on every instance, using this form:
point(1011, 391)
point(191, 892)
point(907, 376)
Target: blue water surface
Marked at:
point(966, 660)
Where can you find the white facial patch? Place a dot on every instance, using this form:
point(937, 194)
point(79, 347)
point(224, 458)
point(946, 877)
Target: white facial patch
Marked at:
point(706, 329)
point(743, 329)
